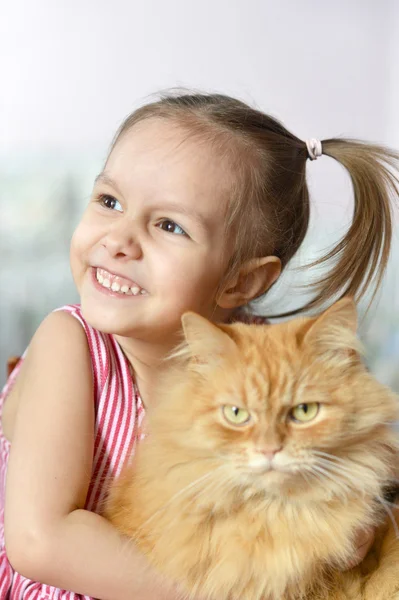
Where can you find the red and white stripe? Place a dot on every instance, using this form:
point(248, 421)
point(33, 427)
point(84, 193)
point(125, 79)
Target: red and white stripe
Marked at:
point(119, 413)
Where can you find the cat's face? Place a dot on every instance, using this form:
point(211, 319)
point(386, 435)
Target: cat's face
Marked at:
point(288, 407)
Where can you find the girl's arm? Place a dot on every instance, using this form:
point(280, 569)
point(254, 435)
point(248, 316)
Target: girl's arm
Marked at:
point(50, 538)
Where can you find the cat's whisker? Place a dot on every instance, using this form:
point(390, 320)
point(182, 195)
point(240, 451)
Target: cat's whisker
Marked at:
point(340, 469)
point(341, 484)
point(320, 478)
point(332, 457)
point(361, 481)
point(362, 477)
point(337, 466)
point(345, 463)
point(304, 475)
point(327, 454)
point(390, 514)
point(323, 473)
point(345, 468)
point(316, 476)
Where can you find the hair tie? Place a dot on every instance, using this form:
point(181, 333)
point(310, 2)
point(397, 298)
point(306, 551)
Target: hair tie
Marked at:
point(314, 148)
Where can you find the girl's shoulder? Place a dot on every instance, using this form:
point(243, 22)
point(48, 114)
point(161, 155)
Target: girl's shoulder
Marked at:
point(68, 323)
point(106, 355)
point(75, 311)
point(56, 359)
point(99, 343)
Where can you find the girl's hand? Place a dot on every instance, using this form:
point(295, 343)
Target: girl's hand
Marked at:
point(364, 540)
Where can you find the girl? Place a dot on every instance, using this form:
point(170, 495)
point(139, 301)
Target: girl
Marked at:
point(201, 204)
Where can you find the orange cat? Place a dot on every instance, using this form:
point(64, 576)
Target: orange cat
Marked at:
point(269, 447)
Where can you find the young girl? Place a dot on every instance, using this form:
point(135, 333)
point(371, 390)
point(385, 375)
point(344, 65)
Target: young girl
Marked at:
point(201, 204)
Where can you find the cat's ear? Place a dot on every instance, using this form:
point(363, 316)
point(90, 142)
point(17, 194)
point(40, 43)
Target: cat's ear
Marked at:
point(207, 343)
point(333, 334)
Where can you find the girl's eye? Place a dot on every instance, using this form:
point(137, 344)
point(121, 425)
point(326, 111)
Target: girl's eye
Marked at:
point(110, 202)
point(303, 413)
point(235, 415)
point(171, 227)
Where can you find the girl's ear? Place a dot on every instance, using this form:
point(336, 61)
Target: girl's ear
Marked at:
point(253, 279)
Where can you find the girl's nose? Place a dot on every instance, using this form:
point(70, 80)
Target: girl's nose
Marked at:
point(122, 244)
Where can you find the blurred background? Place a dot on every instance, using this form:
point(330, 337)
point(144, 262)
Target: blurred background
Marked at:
point(71, 71)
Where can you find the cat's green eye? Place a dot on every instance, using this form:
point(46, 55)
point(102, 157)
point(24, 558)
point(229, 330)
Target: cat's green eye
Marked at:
point(303, 413)
point(236, 415)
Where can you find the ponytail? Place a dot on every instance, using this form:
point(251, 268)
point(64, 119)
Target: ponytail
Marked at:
point(361, 256)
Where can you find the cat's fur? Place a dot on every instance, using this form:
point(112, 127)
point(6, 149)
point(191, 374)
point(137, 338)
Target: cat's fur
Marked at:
point(196, 501)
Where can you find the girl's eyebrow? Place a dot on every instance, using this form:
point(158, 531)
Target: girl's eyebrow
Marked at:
point(176, 207)
point(105, 178)
point(172, 206)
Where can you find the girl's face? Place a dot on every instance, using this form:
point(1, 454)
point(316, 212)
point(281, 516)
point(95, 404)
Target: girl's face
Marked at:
point(151, 243)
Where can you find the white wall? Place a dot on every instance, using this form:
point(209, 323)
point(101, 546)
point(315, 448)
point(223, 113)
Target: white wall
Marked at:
point(70, 70)
point(393, 79)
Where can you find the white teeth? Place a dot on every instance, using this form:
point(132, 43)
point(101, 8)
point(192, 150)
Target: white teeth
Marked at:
point(135, 290)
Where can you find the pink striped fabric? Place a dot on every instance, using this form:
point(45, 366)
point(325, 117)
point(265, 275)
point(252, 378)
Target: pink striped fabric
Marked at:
point(119, 412)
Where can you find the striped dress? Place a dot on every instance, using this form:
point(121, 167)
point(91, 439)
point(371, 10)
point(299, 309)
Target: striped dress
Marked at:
point(119, 413)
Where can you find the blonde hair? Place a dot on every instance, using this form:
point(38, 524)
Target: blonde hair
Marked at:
point(269, 208)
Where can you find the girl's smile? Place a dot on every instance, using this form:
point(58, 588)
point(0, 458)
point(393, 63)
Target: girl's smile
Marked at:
point(115, 285)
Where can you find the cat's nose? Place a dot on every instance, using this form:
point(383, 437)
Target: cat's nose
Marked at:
point(270, 451)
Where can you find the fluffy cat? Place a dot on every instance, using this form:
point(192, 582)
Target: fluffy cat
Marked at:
point(268, 447)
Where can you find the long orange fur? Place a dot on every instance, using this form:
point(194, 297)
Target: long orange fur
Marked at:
point(195, 502)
